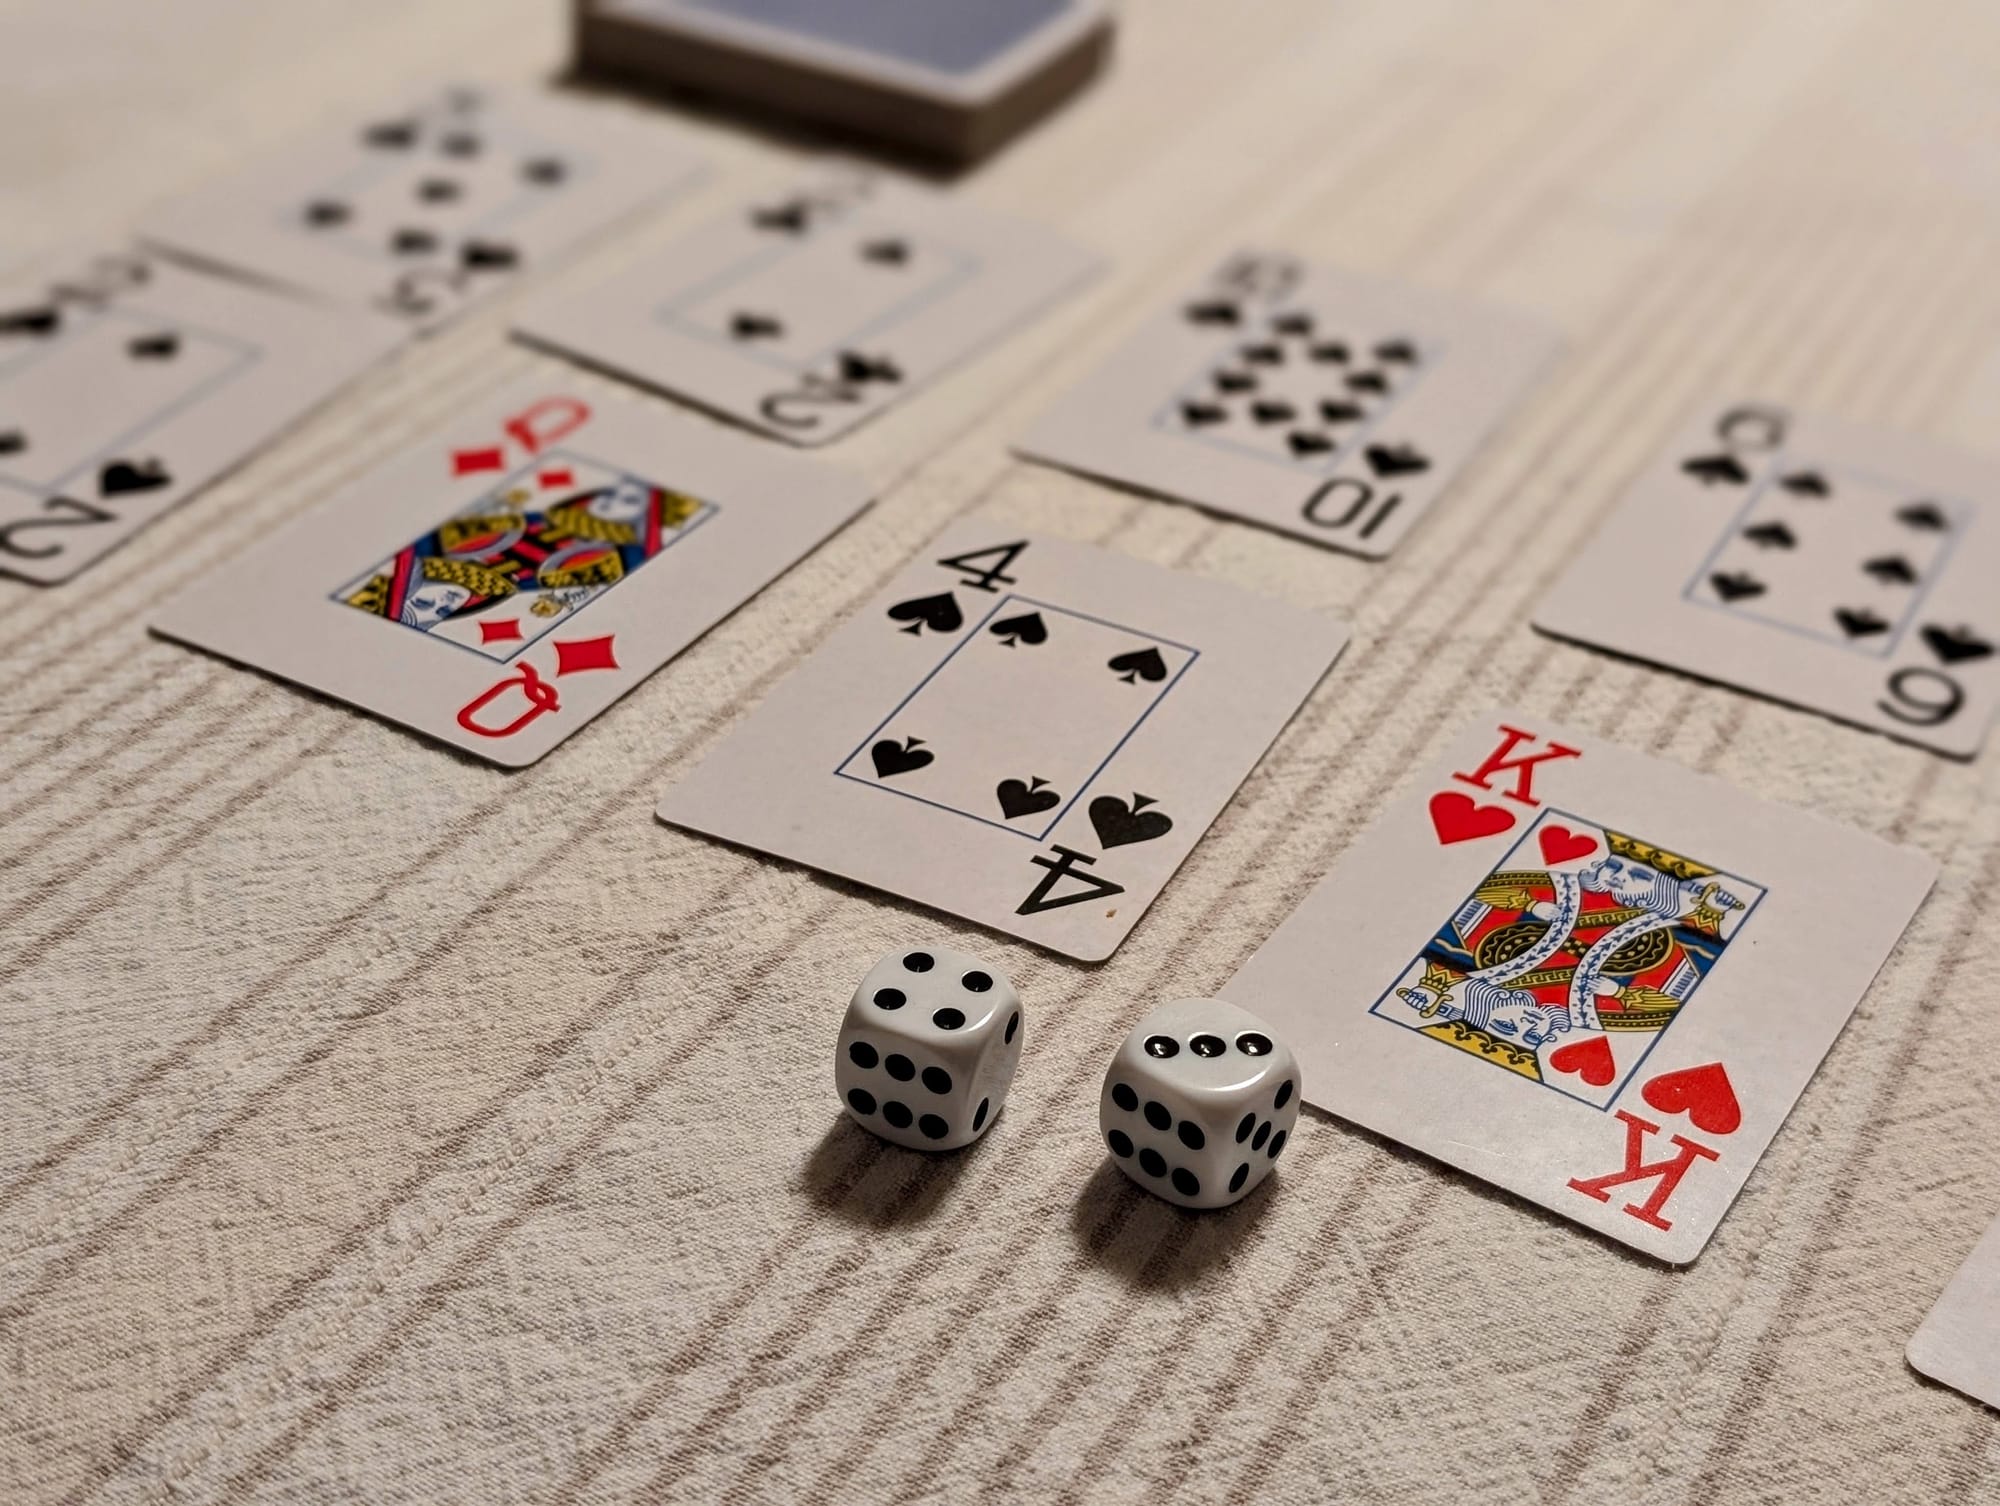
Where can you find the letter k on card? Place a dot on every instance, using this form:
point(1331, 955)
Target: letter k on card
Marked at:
point(1595, 979)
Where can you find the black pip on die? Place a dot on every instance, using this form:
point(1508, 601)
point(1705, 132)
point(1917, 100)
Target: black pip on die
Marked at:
point(1199, 1101)
point(929, 1047)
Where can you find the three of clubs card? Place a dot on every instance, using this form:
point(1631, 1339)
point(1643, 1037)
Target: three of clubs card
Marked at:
point(501, 583)
point(127, 384)
point(1959, 1343)
point(807, 312)
point(428, 205)
point(1819, 563)
point(1028, 733)
point(1329, 407)
point(1595, 979)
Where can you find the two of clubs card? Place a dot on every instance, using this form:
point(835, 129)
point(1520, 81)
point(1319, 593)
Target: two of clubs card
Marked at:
point(1595, 979)
point(1028, 733)
point(128, 383)
point(1959, 1343)
point(500, 583)
point(1327, 406)
point(1817, 562)
point(430, 204)
point(807, 311)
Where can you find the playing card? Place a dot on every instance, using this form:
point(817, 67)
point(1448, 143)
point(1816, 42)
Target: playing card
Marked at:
point(501, 583)
point(429, 204)
point(807, 312)
point(1026, 732)
point(1814, 561)
point(1592, 978)
point(1326, 406)
point(127, 384)
point(1959, 1343)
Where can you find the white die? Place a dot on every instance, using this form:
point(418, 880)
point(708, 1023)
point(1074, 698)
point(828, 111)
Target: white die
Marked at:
point(928, 1047)
point(1199, 1101)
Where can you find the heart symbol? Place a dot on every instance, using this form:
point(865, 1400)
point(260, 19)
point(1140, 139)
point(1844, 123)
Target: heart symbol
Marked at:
point(413, 241)
point(1273, 411)
point(1702, 1093)
point(44, 320)
point(1213, 313)
point(322, 214)
point(544, 172)
point(487, 256)
point(1806, 484)
point(1736, 585)
point(160, 347)
point(1560, 844)
point(1118, 823)
point(1139, 664)
point(1954, 645)
point(1459, 818)
point(938, 613)
point(1396, 350)
point(1296, 323)
point(1028, 629)
point(855, 367)
point(1860, 622)
point(1305, 442)
point(887, 253)
point(1925, 515)
point(1709, 469)
point(123, 476)
point(1394, 460)
point(12, 441)
point(1196, 414)
point(1234, 381)
point(1368, 381)
point(754, 326)
point(1591, 1060)
point(792, 218)
point(1018, 799)
point(391, 135)
point(893, 758)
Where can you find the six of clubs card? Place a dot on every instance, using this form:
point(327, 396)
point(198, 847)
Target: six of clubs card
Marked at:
point(1843, 570)
point(1592, 978)
point(807, 312)
point(1959, 1343)
point(1328, 407)
point(127, 384)
point(1026, 732)
point(427, 206)
point(501, 583)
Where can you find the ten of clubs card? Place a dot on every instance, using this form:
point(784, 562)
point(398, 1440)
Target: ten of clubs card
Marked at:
point(430, 204)
point(1595, 979)
point(1329, 407)
point(1813, 561)
point(501, 583)
point(1026, 732)
point(1959, 1343)
point(807, 312)
point(127, 384)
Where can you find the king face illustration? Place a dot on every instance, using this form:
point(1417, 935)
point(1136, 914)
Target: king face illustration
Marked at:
point(504, 570)
point(1570, 959)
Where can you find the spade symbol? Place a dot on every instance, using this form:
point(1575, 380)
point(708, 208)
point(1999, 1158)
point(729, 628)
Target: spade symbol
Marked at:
point(413, 240)
point(12, 441)
point(1272, 411)
point(1860, 623)
point(1892, 570)
point(43, 320)
point(1925, 515)
point(1118, 823)
point(790, 218)
point(1264, 355)
point(1138, 664)
point(887, 253)
point(487, 256)
point(1806, 484)
point(1028, 629)
point(1336, 412)
point(1368, 381)
point(161, 347)
point(1956, 645)
point(938, 613)
point(1736, 586)
point(1771, 536)
point(544, 172)
point(1395, 460)
point(122, 476)
point(1018, 799)
point(391, 135)
point(1330, 350)
point(324, 214)
point(1709, 469)
point(1234, 381)
point(892, 758)
point(1297, 322)
point(754, 327)
point(1194, 415)
point(1306, 442)
point(1397, 350)
point(1216, 312)
point(855, 367)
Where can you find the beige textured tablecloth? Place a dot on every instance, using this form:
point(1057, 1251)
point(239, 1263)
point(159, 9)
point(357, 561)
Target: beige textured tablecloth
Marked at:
point(379, 1127)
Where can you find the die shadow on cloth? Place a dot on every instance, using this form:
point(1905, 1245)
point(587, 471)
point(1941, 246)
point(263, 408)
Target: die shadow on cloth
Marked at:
point(873, 1184)
point(1156, 1245)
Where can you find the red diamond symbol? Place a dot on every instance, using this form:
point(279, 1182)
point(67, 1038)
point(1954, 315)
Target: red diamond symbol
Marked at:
point(508, 630)
point(465, 462)
point(577, 654)
point(560, 475)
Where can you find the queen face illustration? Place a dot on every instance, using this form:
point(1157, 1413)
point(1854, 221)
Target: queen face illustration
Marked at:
point(626, 501)
point(432, 602)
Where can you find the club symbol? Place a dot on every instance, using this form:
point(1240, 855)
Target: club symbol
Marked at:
point(1859, 622)
point(1925, 515)
point(1330, 352)
point(792, 217)
point(391, 135)
point(1273, 411)
point(1337, 411)
point(1956, 645)
point(460, 144)
point(1892, 570)
point(1305, 442)
point(855, 367)
point(324, 214)
point(938, 613)
point(1806, 484)
point(438, 191)
point(1018, 799)
point(889, 252)
point(1195, 415)
point(1028, 628)
point(754, 327)
point(1218, 311)
point(1709, 469)
point(1235, 381)
point(544, 172)
point(488, 256)
point(892, 758)
point(1297, 323)
point(1773, 535)
point(1736, 585)
point(1264, 355)
point(1119, 823)
point(1138, 664)
point(161, 347)
point(12, 441)
point(1400, 351)
point(1395, 460)
point(413, 240)
point(122, 476)
point(1368, 381)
